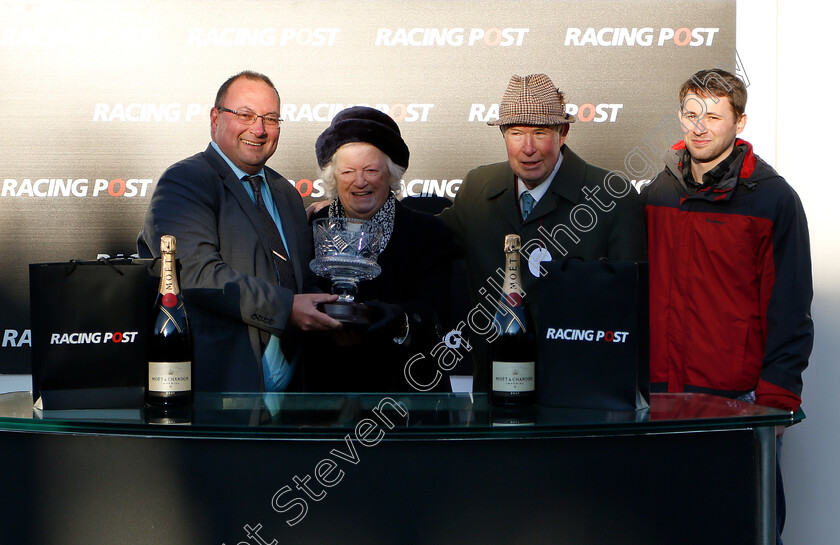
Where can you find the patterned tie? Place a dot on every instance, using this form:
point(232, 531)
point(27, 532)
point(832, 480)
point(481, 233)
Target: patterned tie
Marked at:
point(285, 272)
point(527, 204)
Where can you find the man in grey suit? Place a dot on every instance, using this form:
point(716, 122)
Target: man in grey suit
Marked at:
point(244, 246)
point(558, 203)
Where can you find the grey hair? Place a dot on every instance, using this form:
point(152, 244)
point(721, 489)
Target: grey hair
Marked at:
point(327, 174)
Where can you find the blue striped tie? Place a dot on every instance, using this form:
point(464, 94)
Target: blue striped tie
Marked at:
point(527, 204)
point(285, 272)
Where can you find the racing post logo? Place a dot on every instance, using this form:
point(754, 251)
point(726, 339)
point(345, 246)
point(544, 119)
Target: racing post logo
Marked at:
point(147, 112)
point(324, 112)
point(586, 335)
point(75, 187)
point(596, 113)
point(642, 37)
point(97, 337)
point(12, 338)
point(261, 37)
point(451, 37)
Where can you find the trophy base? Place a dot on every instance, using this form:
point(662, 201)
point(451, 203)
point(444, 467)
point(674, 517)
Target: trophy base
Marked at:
point(347, 312)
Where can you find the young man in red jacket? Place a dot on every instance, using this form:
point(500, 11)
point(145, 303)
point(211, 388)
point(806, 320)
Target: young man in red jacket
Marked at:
point(730, 262)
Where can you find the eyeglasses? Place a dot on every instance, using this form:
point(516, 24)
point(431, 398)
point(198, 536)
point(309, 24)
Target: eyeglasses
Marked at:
point(248, 118)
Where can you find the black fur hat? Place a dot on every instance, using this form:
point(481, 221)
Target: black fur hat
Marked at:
point(362, 124)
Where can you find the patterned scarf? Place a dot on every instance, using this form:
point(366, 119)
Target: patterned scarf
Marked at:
point(384, 217)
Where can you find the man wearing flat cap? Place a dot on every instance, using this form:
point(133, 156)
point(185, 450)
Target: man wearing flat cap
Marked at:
point(559, 204)
point(244, 246)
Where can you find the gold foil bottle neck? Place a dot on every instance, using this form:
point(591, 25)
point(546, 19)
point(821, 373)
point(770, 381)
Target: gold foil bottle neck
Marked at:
point(512, 243)
point(167, 244)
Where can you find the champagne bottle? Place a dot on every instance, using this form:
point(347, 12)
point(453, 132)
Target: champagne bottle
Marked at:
point(170, 349)
point(513, 365)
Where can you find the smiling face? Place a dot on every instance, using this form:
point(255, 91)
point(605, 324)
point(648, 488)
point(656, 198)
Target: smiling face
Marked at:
point(533, 151)
point(247, 146)
point(362, 179)
point(710, 127)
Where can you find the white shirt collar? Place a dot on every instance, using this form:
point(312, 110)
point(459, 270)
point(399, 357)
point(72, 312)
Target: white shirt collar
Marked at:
point(538, 192)
point(236, 170)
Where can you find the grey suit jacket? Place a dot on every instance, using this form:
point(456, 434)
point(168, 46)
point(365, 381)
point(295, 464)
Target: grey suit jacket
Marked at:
point(576, 217)
point(227, 274)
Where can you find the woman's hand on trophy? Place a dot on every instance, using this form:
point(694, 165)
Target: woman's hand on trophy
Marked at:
point(390, 319)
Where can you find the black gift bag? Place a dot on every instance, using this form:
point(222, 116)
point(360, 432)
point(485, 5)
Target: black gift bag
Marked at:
point(593, 335)
point(89, 322)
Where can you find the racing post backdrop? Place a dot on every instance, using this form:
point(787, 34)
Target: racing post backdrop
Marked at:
point(99, 97)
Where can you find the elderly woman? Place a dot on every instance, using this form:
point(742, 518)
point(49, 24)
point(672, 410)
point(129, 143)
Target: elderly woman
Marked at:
point(362, 157)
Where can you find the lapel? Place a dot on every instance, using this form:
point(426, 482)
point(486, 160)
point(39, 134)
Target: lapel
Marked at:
point(290, 227)
point(565, 185)
point(237, 189)
point(501, 190)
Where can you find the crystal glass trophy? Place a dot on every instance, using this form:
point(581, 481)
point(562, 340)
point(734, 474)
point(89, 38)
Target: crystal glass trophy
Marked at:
point(345, 252)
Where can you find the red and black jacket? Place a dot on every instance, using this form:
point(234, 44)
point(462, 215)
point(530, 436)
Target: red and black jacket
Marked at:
point(730, 283)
